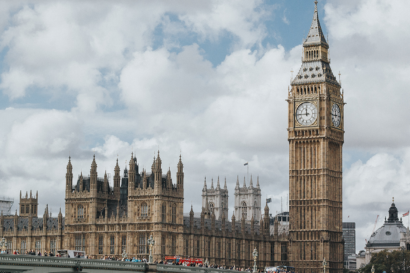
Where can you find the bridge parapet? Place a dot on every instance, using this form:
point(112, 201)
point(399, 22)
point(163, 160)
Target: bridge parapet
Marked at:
point(186, 269)
point(39, 261)
point(22, 263)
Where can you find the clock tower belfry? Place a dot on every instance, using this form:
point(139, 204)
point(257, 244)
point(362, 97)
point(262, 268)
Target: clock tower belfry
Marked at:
point(316, 136)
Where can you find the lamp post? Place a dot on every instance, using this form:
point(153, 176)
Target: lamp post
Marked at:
point(151, 242)
point(3, 245)
point(255, 256)
point(324, 265)
point(124, 255)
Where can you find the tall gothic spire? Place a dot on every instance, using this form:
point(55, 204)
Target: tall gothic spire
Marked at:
point(225, 187)
point(315, 35)
point(93, 165)
point(315, 62)
point(218, 186)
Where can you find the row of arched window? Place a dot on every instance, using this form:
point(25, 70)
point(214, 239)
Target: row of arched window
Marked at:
point(306, 90)
point(173, 213)
point(312, 54)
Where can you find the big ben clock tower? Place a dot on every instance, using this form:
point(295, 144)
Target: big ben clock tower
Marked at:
point(316, 136)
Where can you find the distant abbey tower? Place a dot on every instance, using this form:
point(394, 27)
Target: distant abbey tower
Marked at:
point(248, 201)
point(215, 200)
point(316, 136)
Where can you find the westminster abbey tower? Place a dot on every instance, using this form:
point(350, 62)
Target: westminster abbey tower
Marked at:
point(316, 136)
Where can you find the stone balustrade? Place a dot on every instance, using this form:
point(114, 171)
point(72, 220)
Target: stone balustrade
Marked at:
point(21, 263)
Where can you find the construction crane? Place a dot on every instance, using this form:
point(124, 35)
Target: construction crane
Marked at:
point(375, 223)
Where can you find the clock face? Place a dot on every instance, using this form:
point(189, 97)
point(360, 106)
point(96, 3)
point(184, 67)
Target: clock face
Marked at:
point(306, 113)
point(336, 117)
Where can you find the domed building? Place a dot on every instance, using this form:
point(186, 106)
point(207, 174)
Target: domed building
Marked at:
point(391, 236)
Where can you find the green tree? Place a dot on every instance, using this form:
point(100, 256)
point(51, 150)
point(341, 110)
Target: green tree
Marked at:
point(395, 261)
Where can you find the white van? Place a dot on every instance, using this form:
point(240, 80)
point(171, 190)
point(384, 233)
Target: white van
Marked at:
point(71, 253)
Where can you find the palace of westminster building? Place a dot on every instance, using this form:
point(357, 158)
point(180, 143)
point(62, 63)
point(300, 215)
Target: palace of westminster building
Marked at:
point(105, 219)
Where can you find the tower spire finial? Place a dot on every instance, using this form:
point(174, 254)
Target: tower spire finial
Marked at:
point(316, 4)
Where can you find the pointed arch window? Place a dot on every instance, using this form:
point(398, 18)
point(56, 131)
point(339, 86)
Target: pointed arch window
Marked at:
point(80, 212)
point(164, 213)
point(211, 207)
point(244, 210)
point(23, 247)
point(144, 210)
point(174, 213)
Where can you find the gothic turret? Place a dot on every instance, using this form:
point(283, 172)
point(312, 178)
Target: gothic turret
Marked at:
point(169, 179)
point(205, 187)
point(131, 174)
point(105, 185)
point(60, 220)
point(69, 178)
point(81, 184)
point(117, 180)
point(233, 223)
point(93, 178)
point(180, 175)
point(158, 174)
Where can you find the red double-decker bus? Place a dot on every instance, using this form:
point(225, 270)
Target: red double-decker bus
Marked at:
point(182, 260)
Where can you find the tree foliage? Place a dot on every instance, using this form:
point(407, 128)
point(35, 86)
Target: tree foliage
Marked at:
point(396, 261)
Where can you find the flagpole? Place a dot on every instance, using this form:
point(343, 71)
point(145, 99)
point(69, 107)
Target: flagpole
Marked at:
point(247, 166)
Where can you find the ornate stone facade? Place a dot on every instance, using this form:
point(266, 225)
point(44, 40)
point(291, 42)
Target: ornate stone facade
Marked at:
point(248, 201)
point(104, 219)
point(316, 136)
point(215, 199)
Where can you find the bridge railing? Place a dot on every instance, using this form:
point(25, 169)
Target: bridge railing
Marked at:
point(179, 268)
point(30, 260)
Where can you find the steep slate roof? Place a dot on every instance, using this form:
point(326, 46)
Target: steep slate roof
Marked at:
point(315, 35)
point(315, 72)
point(218, 225)
point(37, 223)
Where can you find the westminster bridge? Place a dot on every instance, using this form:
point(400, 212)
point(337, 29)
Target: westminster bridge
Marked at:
point(39, 264)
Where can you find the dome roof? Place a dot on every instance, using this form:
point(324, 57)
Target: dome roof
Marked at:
point(388, 235)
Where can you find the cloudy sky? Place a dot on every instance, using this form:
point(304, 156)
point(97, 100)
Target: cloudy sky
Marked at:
point(208, 79)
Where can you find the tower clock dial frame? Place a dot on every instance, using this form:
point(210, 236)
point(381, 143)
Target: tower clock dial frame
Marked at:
point(306, 113)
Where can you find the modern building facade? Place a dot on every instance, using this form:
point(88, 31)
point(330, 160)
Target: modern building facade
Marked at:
point(316, 136)
point(349, 237)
